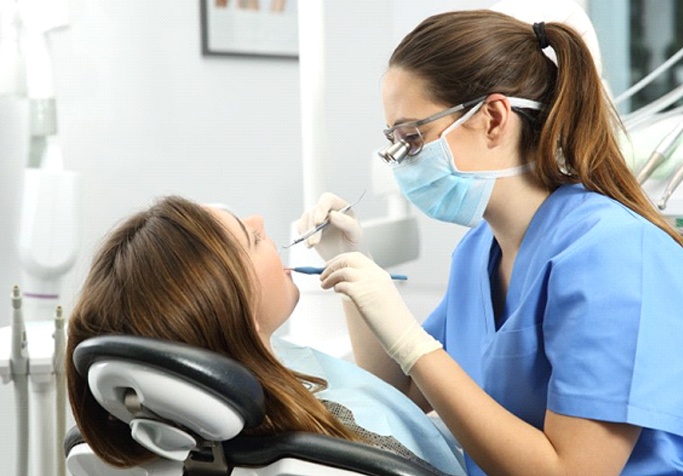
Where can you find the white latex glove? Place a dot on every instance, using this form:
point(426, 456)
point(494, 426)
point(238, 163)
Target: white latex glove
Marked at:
point(342, 235)
point(381, 305)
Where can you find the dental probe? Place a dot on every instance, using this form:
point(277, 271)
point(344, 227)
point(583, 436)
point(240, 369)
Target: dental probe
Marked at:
point(315, 270)
point(661, 153)
point(674, 182)
point(325, 222)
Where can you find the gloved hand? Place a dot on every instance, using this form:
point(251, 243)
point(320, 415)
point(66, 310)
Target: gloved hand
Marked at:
point(342, 235)
point(381, 305)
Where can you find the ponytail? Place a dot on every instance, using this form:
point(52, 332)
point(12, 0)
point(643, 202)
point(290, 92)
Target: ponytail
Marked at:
point(580, 127)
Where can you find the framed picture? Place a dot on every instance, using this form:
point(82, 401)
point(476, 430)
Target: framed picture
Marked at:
point(250, 27)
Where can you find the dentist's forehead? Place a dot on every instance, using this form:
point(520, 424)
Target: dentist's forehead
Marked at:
point(405, 98)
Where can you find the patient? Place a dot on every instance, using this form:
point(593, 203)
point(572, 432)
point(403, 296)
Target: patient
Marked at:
point(199, 275)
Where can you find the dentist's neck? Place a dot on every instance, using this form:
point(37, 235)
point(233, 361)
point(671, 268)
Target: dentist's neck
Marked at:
point(513, 204)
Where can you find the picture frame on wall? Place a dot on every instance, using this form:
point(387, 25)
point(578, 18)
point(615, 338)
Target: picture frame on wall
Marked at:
point(267, 28)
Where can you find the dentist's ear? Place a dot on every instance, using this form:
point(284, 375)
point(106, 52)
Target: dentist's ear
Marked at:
point(498, 114)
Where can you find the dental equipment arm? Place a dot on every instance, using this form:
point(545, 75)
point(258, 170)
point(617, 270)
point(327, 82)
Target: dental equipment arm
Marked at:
point(49, 226)
point(47, 244)
point(649, 78)
point(674, 182)
point(646, 113)
point(19, 373)
point(661, 153)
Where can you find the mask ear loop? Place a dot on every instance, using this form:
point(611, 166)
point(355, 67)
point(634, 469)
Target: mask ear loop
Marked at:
point(449, 129)
point(509, 172)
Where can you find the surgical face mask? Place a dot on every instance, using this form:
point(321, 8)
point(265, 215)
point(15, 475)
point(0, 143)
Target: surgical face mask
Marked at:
point(433, 184)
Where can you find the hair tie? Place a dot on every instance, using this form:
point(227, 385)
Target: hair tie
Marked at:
point(539, 30)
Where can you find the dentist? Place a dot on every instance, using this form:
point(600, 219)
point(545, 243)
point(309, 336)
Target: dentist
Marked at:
point(556, 349)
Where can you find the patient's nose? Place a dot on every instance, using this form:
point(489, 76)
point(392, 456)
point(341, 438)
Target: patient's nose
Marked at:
point(256, 222)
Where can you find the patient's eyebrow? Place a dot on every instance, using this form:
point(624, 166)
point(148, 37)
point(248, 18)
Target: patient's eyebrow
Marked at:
point(244, 229)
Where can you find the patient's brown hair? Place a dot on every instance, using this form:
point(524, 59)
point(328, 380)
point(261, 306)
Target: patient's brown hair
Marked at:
point(174, 272)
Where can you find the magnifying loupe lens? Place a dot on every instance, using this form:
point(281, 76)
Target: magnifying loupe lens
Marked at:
point(411, 137)
point(395, 152)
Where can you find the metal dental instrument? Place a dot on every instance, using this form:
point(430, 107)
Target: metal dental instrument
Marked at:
point(674, 182)
point(315, 270)
point(325, 222)
point(661, 153)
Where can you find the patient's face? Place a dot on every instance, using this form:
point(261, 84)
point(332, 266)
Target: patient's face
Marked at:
point(279, 294)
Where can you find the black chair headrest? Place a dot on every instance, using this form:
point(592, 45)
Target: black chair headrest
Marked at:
point(224, 377)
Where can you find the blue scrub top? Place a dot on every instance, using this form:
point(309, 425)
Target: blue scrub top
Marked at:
point(592, 325)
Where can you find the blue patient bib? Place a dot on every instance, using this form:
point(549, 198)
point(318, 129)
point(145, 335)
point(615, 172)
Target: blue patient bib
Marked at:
point(377, 406)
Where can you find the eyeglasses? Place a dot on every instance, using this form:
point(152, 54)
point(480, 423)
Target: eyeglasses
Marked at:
point(406, 139)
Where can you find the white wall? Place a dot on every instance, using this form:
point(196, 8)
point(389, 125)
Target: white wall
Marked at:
point(142, 114)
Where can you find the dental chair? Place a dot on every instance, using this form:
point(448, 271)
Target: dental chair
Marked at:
point(189, 407)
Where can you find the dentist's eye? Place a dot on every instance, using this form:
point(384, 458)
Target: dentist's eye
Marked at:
point(258, 237)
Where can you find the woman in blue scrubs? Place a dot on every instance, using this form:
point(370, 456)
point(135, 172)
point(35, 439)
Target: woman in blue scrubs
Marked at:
point(558, 346)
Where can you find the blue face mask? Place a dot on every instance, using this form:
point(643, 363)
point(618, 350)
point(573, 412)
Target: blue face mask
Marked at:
point(431, 182)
